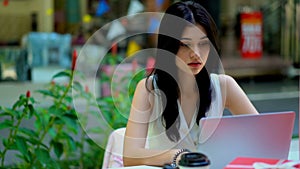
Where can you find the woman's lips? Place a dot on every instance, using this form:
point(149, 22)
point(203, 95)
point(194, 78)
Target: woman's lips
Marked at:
point(196, 64)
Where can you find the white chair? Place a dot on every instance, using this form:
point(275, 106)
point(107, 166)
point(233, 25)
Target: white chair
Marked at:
point(114, 149)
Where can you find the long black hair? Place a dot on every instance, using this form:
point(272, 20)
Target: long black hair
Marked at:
point(175, 19)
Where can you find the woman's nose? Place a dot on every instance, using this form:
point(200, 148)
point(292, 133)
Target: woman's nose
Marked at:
point(194, 52)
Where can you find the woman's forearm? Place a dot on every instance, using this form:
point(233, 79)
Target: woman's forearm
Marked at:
point(133, 157)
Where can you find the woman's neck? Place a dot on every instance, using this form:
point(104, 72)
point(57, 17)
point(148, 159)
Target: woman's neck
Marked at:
point(187, 84)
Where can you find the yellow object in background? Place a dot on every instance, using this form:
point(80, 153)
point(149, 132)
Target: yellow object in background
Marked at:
point(87, 18)
point(132, 48)
point(49, 11)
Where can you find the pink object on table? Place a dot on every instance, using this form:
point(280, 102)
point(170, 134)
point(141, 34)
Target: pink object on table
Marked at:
point(252, 163)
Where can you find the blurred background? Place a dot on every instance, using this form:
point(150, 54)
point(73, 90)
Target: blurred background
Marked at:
point(260, 42)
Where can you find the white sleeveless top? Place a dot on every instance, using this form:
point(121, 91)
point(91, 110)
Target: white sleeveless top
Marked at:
point(189, 135)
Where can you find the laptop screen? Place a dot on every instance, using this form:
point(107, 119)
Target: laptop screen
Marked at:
point(267, 135)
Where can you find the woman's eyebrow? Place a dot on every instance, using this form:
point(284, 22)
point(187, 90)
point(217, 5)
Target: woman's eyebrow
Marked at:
point(203, 37)
point(185, 38)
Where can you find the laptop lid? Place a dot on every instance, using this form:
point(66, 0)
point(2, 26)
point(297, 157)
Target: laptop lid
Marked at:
point(267, 135)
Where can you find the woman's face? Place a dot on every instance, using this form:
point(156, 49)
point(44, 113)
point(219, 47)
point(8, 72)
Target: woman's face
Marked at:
point(193, 50)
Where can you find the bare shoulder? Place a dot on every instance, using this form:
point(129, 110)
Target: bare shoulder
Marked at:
point(226, 80)
point(142, 101)
point(236, 99)
point(145, 85)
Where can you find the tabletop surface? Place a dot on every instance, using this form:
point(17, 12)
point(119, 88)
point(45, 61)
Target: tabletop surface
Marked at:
point(138, 167)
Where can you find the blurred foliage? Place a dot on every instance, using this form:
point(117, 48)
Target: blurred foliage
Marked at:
point(57, 138)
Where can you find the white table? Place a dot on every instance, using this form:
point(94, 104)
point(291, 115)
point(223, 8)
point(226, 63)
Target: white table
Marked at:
point(138, 167)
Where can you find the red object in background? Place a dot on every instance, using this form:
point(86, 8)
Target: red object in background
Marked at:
point(247, 162)
point(251, 35)
point(114, 49)
point(150, 65)
point(5, 2)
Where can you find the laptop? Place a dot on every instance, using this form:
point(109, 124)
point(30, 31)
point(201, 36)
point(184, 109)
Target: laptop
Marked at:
point(267, 135)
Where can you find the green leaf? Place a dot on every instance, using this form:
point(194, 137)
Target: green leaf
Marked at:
point(70, 121)
point(72, 144)
point(29, 132)
point(46, 93)
point(58, 148)
point(55, 111)
point(42, 155)
point(40, 122)
point(53, 164)
point(22, 146)
point(52, 132)
point(25, 110)
point(27, 158)
point(5, 142)
point(62, 74)
point(31, 111)
point(8, 145)
point(6, 124)
point(20, 102)
point(32, 100)
point(5, 114)
point(34, 141)
point(70, 141)
point(69, 99)
point(16, 113)
point(9, 111)
point(58, 121)
point(77, 86)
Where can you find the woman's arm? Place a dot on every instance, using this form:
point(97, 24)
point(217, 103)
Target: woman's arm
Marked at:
point(134, 152)
point(235, 98)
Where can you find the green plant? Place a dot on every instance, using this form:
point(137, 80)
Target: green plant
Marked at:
point(58, 138)
point(54, 131)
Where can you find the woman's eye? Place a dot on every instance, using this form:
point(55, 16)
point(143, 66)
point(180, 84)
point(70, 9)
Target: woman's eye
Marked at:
point(203, 44)
point(184, 44)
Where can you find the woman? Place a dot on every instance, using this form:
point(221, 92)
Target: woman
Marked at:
point(168, 104)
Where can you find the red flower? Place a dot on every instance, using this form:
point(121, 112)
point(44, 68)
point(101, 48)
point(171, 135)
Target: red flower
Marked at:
point(5, 2)
point(74, 58)
point(28, 93)
point(87, 89)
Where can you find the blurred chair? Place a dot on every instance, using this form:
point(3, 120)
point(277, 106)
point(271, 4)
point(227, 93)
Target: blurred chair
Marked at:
point(114, 149)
